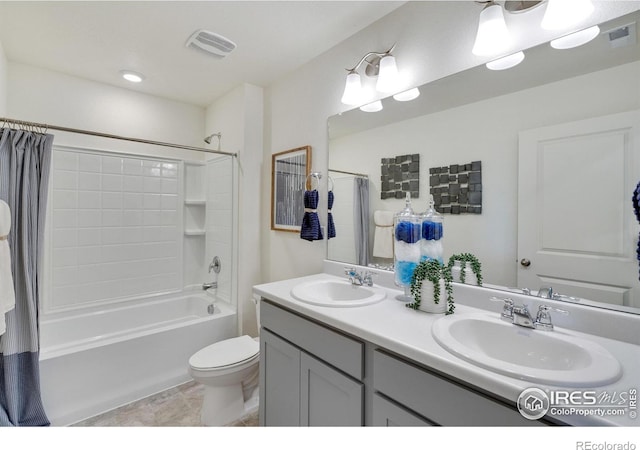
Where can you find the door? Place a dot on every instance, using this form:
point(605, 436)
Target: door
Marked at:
point(576, 226)
point(388, 414)
point(328, 397)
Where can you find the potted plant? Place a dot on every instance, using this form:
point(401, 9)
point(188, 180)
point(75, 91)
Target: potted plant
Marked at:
point(430, 282)
point(459, 271)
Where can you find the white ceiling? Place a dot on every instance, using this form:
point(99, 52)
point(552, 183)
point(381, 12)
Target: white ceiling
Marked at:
point(97, 39)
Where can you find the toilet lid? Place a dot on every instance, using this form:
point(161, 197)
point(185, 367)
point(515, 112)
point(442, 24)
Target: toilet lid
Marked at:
point(225, 353)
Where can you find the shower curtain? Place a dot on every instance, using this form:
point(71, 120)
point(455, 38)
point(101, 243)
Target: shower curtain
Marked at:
point(25, 161)
point(361, 219)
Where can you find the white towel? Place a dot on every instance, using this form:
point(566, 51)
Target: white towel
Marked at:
point(7, 294)
point(383, 234)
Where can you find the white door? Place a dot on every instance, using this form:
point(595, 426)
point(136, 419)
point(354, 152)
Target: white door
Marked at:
point(577, 231)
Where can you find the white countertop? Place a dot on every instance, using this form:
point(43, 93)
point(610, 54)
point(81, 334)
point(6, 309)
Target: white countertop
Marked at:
point(393, 326)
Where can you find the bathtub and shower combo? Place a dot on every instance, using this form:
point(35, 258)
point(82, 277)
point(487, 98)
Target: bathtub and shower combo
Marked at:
point(130, 238)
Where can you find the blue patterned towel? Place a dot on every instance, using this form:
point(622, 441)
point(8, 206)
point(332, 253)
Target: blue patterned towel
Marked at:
point(310, 229)
point(636, 208)
point(330, 224)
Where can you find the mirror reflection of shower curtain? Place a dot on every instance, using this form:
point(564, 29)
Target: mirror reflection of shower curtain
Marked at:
point(25, 162)
point(361, 219)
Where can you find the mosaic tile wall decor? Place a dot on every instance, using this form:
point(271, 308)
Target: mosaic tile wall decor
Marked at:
point(457, 189)
point(400, 175)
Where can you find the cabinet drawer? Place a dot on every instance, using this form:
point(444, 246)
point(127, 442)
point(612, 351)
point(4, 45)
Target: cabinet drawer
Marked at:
point(332, 347)
point(388, 414)
point(438, 399)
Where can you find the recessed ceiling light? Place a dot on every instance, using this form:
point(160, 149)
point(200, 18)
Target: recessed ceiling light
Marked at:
point(132, 76)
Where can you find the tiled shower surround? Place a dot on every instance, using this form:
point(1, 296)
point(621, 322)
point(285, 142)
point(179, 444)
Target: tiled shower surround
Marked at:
point(116, 225)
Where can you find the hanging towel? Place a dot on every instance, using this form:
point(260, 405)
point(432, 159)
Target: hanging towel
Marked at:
point(310, 228)
point(7, 294)
point(383, 234)
point(636, 208)
point(330, 225)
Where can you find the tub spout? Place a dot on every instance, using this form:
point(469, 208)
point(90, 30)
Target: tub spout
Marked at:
point(213, 284)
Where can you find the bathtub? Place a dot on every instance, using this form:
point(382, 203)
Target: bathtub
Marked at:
point(101, 359)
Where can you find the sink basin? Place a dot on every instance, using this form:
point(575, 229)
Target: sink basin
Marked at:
point(547, 357)
point(337, 293)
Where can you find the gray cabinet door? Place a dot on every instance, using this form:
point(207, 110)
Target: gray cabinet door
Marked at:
point(388, 414)
point(328, 397)
point(279, 381)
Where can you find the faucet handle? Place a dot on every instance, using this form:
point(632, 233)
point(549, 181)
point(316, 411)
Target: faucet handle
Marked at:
point(507, 310)
point(350, 271)
point(543, 318)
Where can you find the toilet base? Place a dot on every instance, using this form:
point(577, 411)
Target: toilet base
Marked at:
point(225, 404)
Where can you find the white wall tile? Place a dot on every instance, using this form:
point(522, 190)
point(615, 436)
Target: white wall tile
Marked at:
point(112, 164)
point(132, 166)
point(65, 179)
point(104, 209)
point(88, 181)
point(88, 163)
point(111, 182)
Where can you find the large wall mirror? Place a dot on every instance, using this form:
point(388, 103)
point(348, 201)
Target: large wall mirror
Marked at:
point(559, 144)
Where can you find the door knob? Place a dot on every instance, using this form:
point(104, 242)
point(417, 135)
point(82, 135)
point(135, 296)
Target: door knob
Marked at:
point(525, 262)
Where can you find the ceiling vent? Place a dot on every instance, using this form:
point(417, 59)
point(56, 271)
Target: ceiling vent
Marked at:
point(211, 43)
point(622, 36)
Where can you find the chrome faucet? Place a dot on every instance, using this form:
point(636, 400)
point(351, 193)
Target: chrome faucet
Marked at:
point(215, 266)
point(545, 292)
point(520, 315)
point(359, 279)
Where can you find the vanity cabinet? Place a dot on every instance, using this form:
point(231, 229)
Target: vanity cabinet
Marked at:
point(310, 375)
point(420, 394)
point(313, 375)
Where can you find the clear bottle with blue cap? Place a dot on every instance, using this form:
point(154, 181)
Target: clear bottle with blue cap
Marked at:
point(406, 250)
point(432, 234)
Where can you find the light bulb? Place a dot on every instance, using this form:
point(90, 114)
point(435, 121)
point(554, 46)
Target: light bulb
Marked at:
point(352, 90)
point(506, 62)
point(407, 95)
point(372, 107)
point(493, 35)
point(388, 75)
point(576, 39)
point(561, 14)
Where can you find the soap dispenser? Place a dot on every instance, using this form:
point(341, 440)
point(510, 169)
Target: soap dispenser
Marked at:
point(406, 250)
point(432, 233)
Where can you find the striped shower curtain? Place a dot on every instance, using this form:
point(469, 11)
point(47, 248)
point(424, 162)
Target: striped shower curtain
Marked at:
point(25, 161)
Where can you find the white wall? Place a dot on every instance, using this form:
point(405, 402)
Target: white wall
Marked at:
point(44, 96)
point(239, 116)
point(430, 45)
point(457, 136)
point(3, 81)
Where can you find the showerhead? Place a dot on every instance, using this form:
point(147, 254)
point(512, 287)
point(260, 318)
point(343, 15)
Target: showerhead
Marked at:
point(208, 138)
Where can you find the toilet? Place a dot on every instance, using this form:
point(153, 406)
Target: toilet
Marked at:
point(229, 372)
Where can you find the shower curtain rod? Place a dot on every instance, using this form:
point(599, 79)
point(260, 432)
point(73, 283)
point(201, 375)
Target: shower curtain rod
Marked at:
point(111, 136)
point(361, 175)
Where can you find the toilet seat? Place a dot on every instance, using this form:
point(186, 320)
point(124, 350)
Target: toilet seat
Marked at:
point(226, 354)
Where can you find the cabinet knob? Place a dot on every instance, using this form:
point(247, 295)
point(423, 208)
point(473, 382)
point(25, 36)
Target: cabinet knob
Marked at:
point(525, 262)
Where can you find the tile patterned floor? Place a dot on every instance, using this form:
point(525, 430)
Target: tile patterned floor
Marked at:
point(176, 407)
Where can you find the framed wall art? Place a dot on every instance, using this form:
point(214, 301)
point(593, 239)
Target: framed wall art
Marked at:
point(289, 172)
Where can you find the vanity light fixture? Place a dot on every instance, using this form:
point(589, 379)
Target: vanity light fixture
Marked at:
point(407, 96)
point(372, 107)
point(561, 14)
point(131, 76)
point(576, 39)
point(380, 64)
point(492, 36)
point(506, 62)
